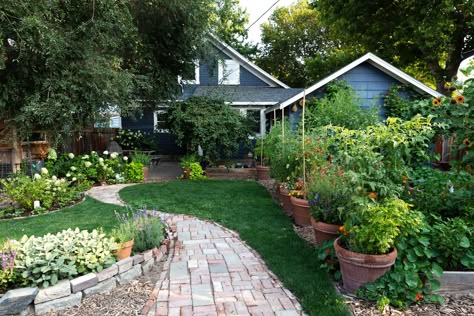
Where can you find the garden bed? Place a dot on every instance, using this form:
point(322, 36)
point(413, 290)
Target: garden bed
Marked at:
point(68, 293)
point(232, 173)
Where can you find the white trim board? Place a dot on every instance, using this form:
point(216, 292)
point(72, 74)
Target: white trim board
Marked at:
point(374, 61)
point(244, 62)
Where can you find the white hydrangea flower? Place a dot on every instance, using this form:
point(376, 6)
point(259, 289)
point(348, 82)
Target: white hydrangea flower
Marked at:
point(37, 176)
point(85, 157)
point(68, 175)
point(93, 152)
point(70, 155)
point(74, 179)
point(87, 164)
point(106, 153)
point(101, 159)
point(44, 171)
point(54, 178)
point(73, 168)
point(113, 155)
point(125, 158)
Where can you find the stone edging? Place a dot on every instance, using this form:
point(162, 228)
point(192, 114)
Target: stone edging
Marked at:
point(457, 282)
point(67, 293)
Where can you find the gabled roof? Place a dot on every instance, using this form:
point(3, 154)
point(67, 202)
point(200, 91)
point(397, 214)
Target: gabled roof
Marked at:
point(247, 64)
point(247, 94)
point(374, 61)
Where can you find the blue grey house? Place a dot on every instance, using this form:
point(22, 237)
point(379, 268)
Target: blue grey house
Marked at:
point(370, 76)
point(231, 77)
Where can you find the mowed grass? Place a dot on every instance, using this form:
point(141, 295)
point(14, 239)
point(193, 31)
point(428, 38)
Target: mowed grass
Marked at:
point(89, 215)
point(246, 207)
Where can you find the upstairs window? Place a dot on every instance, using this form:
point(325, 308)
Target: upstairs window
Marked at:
point(229, 72)
point(192, 77)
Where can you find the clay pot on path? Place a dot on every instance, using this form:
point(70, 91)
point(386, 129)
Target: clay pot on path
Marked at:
point(263, 172)
point(300, 209)
point(285, 200)
point(324, 231)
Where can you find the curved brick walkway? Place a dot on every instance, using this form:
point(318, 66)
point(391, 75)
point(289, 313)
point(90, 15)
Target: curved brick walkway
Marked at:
point(210, 271)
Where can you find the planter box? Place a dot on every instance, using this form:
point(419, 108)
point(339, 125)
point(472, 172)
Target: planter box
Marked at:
point(232, 173)
point(457, 282)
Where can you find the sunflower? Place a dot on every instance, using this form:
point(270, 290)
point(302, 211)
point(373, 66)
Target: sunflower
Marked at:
point(453, 101)
point(435, 102)
point(447, 85)
point(460, 99)
point(467, 142)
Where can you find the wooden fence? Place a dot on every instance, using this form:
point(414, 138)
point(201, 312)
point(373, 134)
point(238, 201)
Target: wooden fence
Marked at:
point(94, 139)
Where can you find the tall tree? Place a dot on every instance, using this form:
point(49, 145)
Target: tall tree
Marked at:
point(64, 62)
point(297, 47)
point(229, 24)
point(433, 35)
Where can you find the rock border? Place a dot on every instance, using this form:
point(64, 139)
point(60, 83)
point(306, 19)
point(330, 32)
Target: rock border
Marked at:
point(67, 293)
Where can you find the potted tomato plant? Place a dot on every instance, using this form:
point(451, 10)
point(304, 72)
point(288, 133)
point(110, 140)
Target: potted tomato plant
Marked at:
point(367, 246)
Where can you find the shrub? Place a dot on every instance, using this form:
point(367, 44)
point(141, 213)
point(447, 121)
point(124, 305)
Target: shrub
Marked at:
point(134, 172)
point(149, 232)
point(42, 261)
point(7, 262)
point(196, 172)
point(51, 192)
point(341, 107)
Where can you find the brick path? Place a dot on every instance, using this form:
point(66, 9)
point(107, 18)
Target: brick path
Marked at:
point(212, 272)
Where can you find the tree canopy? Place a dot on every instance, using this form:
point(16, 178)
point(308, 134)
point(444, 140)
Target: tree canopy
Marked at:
point(64, 63)
point(427, 38)
point(298, 48)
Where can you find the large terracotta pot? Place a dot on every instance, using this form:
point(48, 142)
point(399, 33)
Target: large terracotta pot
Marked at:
point(263, 172)
point(357, 269)
point(125, 250)
point(300, 208)
point(285, 200)
point(324, 231)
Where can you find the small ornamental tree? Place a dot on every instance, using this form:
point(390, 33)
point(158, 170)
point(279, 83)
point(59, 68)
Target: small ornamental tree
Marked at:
point(209, 123)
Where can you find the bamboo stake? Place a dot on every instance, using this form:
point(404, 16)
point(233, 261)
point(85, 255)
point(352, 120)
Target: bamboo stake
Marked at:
point(283, 129)
point(303, 133)
point(274, 117)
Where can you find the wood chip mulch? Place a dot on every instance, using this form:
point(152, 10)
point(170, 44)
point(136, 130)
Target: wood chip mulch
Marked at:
point(454, 305)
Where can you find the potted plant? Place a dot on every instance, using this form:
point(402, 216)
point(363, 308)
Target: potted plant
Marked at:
point(299, 205)
point(367, 246)
point(124, 234)
point(329, 193)
point(186, 162)
point(263, 168)
point(144, 159)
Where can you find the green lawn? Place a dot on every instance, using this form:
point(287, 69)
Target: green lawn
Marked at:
point(247, 208)
point(89, 215)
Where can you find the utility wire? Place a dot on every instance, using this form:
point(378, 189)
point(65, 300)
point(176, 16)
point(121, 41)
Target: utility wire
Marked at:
point(261, 16)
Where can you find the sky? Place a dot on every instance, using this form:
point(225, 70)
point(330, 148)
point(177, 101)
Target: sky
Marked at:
point(255, 8)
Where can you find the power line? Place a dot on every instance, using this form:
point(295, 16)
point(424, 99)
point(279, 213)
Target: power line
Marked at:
point(276, 2)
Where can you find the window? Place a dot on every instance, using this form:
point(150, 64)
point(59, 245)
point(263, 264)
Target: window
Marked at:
point(229, 72)
point(160, 121)
point(192, 78)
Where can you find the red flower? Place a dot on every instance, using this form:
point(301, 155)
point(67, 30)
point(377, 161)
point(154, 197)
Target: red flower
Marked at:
point(328, 250)
point(418, 297)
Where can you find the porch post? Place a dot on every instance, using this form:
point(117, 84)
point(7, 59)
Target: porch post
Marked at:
point(263, 123)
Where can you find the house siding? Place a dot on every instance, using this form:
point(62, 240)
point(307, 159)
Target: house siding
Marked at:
point(370, 83)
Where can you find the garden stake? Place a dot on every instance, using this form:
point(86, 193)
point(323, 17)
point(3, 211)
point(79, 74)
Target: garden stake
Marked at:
point(302, 123)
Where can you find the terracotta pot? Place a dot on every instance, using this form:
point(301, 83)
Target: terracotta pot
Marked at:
point(324, 231)
point(125, 250)
point(300, 208)
point(285, 200)
point(263, 172)
point(186, 172)
point(357, 269)
point(146, 173)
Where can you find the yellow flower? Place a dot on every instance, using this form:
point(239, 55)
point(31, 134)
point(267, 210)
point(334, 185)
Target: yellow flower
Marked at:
point(467, 142)
point(435, 102)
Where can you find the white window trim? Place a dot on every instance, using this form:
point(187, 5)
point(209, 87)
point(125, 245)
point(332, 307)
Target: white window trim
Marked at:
point(155, 122)
point(196, 75)
point(222, 77)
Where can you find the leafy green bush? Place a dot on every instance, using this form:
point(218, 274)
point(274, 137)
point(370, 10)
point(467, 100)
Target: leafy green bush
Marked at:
point(134, 172)
point(412, 277)
point(42, 261)
point(196, 172)
point(50, 192)
point(340, 107)
point(141, 157)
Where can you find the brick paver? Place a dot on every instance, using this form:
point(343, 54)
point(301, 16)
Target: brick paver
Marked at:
point(212, 272)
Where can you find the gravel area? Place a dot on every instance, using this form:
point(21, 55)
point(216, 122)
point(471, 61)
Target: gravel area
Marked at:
point(454, 305)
